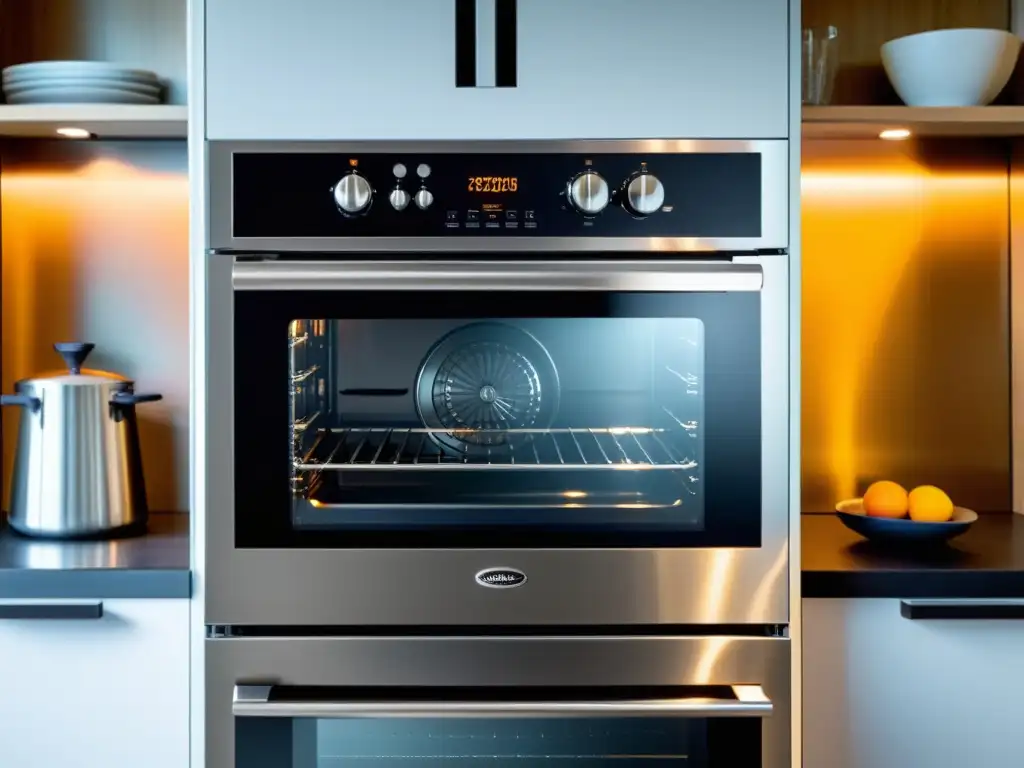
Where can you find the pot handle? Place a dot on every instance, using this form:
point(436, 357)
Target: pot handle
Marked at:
point(25, 401)
point(132, 398)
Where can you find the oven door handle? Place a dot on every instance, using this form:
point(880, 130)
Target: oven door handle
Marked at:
point(610, 276)
point(261, 701)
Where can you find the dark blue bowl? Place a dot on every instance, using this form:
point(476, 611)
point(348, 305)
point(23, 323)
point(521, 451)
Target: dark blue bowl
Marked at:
point(890, 530)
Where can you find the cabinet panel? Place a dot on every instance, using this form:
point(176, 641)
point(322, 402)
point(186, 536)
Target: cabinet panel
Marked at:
point(321, 69)
point(111, 692)
point(654, 69)
point(882, 691)
point(386, 69)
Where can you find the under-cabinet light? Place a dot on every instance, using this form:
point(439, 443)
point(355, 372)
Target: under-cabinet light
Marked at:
point(895, 134)
point(74, 133)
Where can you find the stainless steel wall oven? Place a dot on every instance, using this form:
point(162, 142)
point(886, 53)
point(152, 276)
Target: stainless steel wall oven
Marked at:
point(498, 452)
point(440, 366)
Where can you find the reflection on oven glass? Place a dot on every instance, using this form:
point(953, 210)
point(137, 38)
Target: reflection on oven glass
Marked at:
point(496, 743)
point(570, 421)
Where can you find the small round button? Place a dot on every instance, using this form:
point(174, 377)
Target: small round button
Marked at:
point(645, 194)
point(399, 171)
point(588, 193)
point(424, 199)
point(353, 193)
point(399, 199)
point(423, 170)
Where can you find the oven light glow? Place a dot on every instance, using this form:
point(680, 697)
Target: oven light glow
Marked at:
point(895, 134)
point(74, 133)
point(630, 431)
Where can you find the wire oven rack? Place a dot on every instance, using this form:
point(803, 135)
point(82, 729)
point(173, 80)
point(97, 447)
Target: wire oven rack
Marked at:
point(618, 448)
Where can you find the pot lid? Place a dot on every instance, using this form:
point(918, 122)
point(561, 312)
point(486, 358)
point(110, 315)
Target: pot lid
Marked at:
point(74, 354)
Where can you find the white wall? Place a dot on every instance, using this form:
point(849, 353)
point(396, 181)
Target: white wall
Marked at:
point(95, 248)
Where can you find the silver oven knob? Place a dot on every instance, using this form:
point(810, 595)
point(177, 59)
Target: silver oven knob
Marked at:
point(353, 193)
point(399, 199)
point(645, 194)
point(424, 199)
point(588, 193)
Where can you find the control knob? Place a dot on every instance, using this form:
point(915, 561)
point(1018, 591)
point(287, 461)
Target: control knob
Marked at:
point(645, 194)
point(353, 193)
point(424, 199)
point(588, 193)
point(399, 199)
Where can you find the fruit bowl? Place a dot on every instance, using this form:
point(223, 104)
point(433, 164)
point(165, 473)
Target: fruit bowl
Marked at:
point(902, 529)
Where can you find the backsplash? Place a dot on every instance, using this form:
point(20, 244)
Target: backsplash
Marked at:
point(906, 319)
point(95, 248)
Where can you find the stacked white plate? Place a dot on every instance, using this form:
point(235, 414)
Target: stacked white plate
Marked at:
point(79, 82)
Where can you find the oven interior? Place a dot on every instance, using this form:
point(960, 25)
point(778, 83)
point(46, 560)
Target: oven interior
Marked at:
point(516, 418)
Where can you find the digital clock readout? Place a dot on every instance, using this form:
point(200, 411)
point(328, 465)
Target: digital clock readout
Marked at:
point(493, 184)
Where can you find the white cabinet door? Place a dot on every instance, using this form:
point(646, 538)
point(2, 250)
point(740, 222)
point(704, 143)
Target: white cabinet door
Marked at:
point(386, 69)
point(883, 691)
point(653, 69)
point(332, 69)
point(111, 692)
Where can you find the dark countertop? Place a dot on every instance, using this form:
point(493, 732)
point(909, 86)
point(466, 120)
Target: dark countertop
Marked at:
point(152, 566)
point(987, 561)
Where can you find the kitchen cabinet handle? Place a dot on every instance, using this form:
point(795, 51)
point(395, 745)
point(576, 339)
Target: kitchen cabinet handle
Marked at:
point(495, 275)
point(274, 701)
point(962, 609)
point(73, 609)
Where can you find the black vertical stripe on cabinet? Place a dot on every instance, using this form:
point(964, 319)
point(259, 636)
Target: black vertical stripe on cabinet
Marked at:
point(505, 43)
point(465, 43)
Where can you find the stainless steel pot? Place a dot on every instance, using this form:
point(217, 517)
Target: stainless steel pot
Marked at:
point(78, 467)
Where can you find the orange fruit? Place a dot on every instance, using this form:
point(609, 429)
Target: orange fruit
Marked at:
point(885, 499)
point(929, 504)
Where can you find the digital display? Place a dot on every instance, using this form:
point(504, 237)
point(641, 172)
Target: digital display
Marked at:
point(493, 184)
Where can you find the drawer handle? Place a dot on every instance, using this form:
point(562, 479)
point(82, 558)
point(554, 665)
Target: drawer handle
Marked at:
point(73, 609)
point(977, 610)
point(276, 701)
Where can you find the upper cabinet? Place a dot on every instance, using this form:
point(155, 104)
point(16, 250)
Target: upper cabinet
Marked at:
point(495, 69)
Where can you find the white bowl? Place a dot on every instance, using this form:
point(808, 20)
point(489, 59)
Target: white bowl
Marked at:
point(951, 67)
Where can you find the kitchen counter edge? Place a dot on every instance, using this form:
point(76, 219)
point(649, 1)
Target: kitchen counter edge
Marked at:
point(154, 566)
point(986, 562)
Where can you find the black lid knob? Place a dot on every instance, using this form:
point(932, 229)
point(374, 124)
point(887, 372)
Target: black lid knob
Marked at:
point(74, 353)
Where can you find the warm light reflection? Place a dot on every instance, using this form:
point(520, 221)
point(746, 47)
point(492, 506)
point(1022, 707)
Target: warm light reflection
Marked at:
point(904, 268)
point(894, 134)
point(98, 252)
point(74, 133)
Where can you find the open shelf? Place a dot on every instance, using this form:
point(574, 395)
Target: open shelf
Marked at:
point(868, 122)
point(104, 121)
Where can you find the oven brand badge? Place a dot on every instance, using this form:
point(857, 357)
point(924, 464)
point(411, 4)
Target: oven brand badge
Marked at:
point(501, 578)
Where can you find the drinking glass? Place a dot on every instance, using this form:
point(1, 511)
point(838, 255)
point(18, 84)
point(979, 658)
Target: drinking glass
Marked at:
point(820, 61)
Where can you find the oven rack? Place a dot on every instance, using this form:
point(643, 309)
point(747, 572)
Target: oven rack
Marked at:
point(617, 448)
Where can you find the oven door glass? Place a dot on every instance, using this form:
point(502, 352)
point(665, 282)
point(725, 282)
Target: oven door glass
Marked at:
point(448, 731)
point(497, 418)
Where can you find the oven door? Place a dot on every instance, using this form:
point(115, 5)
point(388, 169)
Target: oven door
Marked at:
point(606, 442)
point(308, 702)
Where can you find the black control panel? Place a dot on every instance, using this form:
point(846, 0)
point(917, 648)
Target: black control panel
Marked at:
point(318, 194)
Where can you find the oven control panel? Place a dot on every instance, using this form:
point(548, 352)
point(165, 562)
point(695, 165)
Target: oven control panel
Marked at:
point(325, 194)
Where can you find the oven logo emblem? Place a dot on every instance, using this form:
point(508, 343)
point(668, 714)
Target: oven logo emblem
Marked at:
point(501, 578)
